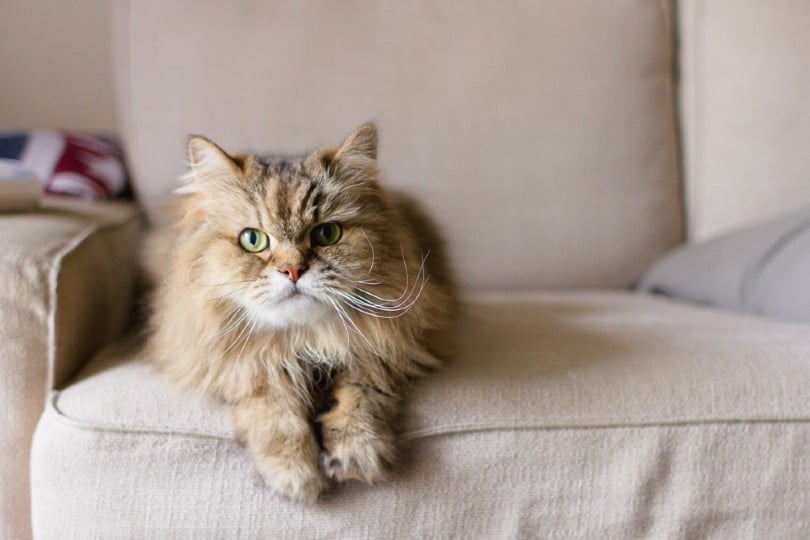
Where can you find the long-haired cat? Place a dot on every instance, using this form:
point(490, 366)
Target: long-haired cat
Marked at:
point(281, 273)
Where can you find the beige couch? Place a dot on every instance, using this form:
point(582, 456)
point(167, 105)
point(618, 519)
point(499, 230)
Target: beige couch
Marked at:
point(555, 146)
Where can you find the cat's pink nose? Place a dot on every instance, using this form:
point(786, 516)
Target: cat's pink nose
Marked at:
point(293, 271)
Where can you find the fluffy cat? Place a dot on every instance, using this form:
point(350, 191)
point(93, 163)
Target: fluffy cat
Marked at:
point(279, 274)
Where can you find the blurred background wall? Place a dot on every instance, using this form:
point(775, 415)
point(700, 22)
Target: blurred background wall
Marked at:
point(56, 65)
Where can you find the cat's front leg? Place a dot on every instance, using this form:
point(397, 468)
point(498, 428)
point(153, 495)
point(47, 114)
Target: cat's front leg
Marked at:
point(276, 431)
point(358, 437)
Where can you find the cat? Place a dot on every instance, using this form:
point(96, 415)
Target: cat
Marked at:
point(277, 274)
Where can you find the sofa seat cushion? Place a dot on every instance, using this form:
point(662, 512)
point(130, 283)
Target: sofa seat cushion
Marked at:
point(590, 414)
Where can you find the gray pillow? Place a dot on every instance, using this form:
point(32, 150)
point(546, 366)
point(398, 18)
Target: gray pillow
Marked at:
point(764, 270)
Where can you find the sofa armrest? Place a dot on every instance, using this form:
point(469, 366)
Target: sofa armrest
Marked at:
point(67, 272)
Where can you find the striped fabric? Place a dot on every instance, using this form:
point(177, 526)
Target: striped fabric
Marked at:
point(69, 163)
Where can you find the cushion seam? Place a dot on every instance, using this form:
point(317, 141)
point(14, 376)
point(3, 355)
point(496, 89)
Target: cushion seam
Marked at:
point(454, 429)
point(479, 428)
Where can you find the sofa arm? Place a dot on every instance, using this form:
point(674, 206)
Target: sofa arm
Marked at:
point(70, 274)
point(67, 274)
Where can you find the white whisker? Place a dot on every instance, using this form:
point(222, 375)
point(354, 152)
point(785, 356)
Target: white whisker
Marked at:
point(248, 335)
point(226, 295)
point(349, 319)
point(227, 283)
point(387, 308)
point(232, 321)
point(373, 255)
point(340, 316)
point(241, 333)
point(371, 309)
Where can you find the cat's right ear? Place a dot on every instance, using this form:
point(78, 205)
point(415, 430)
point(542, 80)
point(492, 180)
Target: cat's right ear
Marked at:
point(209, 165)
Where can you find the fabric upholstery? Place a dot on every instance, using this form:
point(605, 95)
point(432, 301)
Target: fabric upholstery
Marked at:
point(538, 133)
point(764, 269)
point(745, 118)
point(66, 291)
point(589, 415)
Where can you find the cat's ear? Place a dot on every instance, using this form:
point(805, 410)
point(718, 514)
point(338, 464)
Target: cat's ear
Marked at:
point(208, 164)
point(356, 157)
point(362, 144)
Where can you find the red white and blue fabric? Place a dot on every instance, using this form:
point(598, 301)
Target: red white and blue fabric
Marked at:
point(69, 163)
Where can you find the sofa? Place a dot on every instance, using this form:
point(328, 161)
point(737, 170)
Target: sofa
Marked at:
point(562, 147)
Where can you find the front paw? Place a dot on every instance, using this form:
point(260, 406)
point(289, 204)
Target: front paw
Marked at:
point(295, 479)
point(355, 452)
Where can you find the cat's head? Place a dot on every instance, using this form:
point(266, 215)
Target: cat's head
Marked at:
point(293, 241)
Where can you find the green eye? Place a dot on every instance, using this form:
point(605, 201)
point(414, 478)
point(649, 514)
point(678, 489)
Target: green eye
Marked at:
point(326, 234)
point(253, 240)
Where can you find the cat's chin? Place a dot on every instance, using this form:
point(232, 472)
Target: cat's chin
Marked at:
point(295, 310)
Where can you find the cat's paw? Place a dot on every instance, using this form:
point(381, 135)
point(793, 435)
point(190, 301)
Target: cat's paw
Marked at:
point(297, 480)
point(355, 454)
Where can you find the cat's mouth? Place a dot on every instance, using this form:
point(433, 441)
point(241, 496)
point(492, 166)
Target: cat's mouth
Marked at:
point(293, 293)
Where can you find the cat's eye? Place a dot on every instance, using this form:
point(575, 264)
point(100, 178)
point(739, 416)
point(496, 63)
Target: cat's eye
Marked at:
point(253, 240)
point(326, 234)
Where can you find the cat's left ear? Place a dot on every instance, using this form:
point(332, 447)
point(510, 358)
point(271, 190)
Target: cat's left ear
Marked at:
point(208, 164)
point(361, 144)
point(356, 157)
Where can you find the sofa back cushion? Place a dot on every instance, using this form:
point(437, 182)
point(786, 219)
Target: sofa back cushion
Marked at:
point(539, 134)
point(745, 82)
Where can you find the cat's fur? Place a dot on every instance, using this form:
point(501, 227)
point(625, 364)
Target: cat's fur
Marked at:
point(371, 310)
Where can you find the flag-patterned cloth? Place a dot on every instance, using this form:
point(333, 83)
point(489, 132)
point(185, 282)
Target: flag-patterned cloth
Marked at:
point(69, 163)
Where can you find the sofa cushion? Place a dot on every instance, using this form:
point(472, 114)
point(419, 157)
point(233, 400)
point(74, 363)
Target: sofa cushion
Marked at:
point(745, 117)
point(66, 274)
point(536, 132)
point(764, 269)
point(606, 415)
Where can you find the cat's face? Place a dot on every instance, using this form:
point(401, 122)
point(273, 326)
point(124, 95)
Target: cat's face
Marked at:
point(287, 240)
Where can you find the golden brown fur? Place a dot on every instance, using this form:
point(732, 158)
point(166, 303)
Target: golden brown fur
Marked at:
point(369, 312)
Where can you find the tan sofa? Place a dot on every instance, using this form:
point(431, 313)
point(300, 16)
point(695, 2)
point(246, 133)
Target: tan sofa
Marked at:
point(555, 146)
